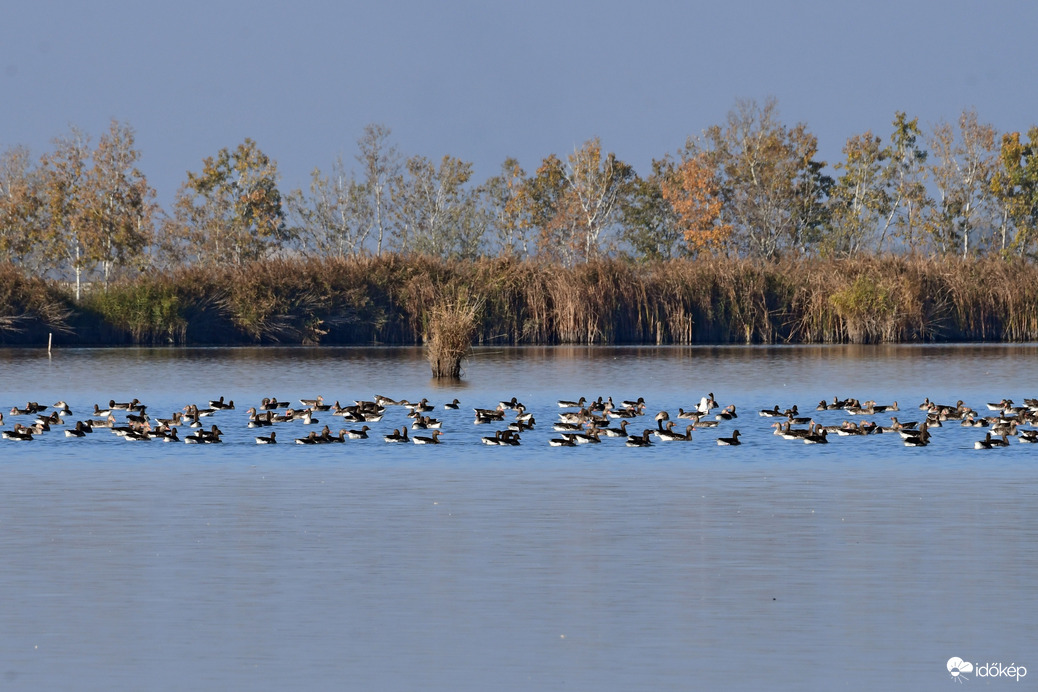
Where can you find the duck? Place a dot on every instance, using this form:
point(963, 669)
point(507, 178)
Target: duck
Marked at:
point(434, 439)
point(729, 441)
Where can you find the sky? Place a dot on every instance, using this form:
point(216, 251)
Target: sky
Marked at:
point(484, 81)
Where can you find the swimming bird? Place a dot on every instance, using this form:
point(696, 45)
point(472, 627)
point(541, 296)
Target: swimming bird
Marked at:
point(640, 440)
point(20, 433)
point(397, 435)
point(729, 441)
point(817, 438)
point(561, 442)
point(79, 431)
point(452, 405)
point(310, 439)
point(434, 439)
point(361, 434)
point(564, 403)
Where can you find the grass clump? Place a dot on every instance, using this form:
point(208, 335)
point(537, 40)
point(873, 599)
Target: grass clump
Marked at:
point(453, 324)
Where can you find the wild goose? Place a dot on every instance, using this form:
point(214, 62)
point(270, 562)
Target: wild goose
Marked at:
point(361, 434)
point(669, 435)
point(729, 441)
point(79, 431)
point(640, 440)
point(20, 433)
point(267, 439)
point(434, 439)
point(397, 435)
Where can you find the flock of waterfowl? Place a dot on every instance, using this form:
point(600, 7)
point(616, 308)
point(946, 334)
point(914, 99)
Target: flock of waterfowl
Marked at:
point(581, 421)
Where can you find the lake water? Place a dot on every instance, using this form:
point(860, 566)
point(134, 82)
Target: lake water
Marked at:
point(861, 564)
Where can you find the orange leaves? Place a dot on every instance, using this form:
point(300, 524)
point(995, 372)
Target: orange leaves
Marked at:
point(694, 194)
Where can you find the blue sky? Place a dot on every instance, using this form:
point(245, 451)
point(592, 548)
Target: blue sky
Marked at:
point(486, 80)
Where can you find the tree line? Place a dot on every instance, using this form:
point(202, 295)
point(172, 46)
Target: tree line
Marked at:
point(750, 187)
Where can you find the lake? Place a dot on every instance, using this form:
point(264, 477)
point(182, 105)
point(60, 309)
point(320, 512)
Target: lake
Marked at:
point(859, 564)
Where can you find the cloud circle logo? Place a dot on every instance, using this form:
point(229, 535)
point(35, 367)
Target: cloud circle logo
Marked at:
point(956, 666)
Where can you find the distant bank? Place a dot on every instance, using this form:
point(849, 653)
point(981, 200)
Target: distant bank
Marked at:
point(390, 299)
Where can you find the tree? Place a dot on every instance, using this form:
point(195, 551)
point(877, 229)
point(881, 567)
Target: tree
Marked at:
point(437, 214)
point(118, 202)
point(650, 224)
point(230, 212)
point(773, 188)
point(694, 194)
point(904, 178)
point(551, 209)
point(858, 200)
point(595, 183)
point(62, 194)
point(1014, 185)
point(506, 201)
point(962, 167)
point(338, 216)
point(21, 207)
point(381, 174)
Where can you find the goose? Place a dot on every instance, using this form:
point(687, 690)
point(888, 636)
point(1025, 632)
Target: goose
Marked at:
point(640, 440)
point(397, 435)
point(922, 431)
point(312, 403)
point(509, 438)
point(614, 432)
point(771, 413)
point(384, 401)
point(729, 441)
point(819, 438)
point(637, 403)
point(310, 439)
point(20, 433)
point(707, 404)
point(669, 435)
point(202, 437)
point(561, 442)
point(27, 411)
point(1001, 441)
point(361, 434)
point(727, 413)
point(308, 417)
point(79, 431)
point(434, 439)
point(511, 405)
point(920, 438)
point(426, 423)
point(256, 420)
point(124, 406)
point(983, 444)
point(270, 404)
point(494, 440)
point(338, 439)
point(1028, 436)
point(452, 405)
point(169, 435)
point(176, 418)
point(563, 403)
point(220, 405)
point(101, 412)
point(106, 422)
point(422, 406)
point(61, 408)
point(589, 437)
point(682, 413)
point(660, 417)
point(521, 425)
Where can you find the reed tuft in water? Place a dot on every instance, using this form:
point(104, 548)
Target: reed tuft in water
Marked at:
point(453, 324)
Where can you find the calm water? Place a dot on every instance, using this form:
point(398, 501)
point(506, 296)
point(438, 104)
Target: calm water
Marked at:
point(862, 564)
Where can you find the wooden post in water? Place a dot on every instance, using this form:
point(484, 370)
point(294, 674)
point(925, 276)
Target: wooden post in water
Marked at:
point(50, 337)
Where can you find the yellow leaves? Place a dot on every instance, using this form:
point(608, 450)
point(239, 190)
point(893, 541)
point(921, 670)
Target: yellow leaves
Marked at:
point(694, 194)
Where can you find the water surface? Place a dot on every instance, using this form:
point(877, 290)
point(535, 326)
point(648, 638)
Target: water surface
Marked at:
point(859, 564)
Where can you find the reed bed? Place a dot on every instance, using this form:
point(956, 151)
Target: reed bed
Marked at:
point(394, 300)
